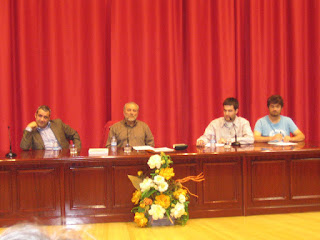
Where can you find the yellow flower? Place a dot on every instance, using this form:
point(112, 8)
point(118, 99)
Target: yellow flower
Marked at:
point(177, 193)
point(142, 205)
point(163, 200)
point(140, 219)
point(136, 197)
point(140, 173)
point(147, 201)
point(157, 171)
point(167, 173)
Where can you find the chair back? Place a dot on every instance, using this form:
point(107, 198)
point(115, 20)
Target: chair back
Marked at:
point(105, 134)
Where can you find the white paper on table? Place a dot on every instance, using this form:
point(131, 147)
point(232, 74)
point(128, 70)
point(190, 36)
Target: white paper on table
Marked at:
point(163, 149)
point(98, 151)
point(283, 143)
point(216, 144)
point(143, 148)
point(149, 148)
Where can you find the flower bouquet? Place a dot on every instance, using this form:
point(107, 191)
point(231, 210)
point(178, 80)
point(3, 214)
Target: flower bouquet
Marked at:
point(158, 196)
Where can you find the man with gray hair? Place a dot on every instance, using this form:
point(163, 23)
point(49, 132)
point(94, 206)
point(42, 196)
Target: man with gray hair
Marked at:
point(130, 130)
point(44, 133)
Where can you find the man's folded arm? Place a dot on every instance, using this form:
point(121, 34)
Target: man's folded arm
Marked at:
point(26, 141)
point(72, 135)
point(247, 135)
point(298, 136)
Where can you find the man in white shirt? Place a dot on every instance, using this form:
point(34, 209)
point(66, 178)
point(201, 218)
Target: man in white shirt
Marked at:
point(225, 128)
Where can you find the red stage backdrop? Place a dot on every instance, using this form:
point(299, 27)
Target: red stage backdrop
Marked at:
point(178, 59)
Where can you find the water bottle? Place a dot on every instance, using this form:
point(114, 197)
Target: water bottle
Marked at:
point(113, 141)
point(127, 148)
point(212, 141)
point(113, 144)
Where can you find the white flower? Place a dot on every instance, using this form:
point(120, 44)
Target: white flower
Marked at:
point(154, 161)
point(158, 179)
point(163, 186)
point(146, 184)
point(182, 198)
point(178, 210)
point(157, 211)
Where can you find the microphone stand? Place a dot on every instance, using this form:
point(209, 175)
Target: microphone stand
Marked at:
point(128, 137)
point(235, 143)
point(10, 154)
point(127, 147)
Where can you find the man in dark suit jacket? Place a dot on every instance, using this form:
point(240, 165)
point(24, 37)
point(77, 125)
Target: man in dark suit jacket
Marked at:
point(44, 133)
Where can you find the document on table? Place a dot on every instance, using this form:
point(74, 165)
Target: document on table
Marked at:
point(216, 144)
point(149, 148)
point(143, 148)
point(282, 143)
point(98, 152)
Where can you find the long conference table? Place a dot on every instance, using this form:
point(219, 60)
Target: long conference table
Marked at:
point(56, 188)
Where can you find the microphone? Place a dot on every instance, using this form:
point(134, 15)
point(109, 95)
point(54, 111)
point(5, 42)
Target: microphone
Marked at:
point(10, 154)
point(235, 143)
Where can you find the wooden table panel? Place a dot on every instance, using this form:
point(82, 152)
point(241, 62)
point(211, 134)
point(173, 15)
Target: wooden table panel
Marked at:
point(305, 179)
point(6, 192)
point(37, 190)
point(62, 189)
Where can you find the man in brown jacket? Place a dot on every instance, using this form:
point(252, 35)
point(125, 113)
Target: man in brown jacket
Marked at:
point(44, 133)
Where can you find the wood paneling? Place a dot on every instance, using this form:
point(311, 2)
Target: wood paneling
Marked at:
point(37, 190)
point(82, 189)
point(6, 192)
point(269, 180)
point(305, 179)
point(88, 188)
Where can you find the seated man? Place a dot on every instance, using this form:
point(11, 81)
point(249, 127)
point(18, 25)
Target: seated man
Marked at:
point(275, 127)
point(130, 130)
point(44, 133)
point(224, 128)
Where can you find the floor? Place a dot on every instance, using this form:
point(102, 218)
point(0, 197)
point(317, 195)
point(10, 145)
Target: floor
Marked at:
point(278, 226)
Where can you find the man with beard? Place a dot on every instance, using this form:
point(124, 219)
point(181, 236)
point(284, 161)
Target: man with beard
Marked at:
point(275, 127)
point(130, 130)
point(224, 128)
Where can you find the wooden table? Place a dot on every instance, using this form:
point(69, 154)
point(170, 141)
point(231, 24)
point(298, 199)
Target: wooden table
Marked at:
point(61, 189)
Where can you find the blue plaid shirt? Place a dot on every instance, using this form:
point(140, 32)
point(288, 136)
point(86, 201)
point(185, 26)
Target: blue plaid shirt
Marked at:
point(48, 137)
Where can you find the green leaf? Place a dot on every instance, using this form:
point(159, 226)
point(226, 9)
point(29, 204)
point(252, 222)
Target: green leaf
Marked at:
point(148, 193)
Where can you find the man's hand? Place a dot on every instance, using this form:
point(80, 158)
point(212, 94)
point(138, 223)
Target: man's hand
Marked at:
point(200, 143)
point(278, 137)
point(33, 125)
point(287, 139)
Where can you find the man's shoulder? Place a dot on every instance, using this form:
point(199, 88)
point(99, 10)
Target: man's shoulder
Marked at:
point(217, 120)
point(263, 119)
point(117, 124)
point(287, 119)
point(242, 119)
point(56, 121)
point(141, 122)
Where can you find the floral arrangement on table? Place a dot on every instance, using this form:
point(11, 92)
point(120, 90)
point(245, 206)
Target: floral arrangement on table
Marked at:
point(159, 196)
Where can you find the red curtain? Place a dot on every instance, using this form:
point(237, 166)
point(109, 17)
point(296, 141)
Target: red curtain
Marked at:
point(178, 59)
